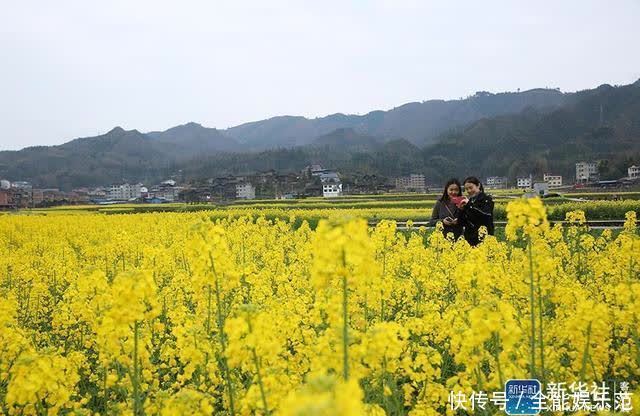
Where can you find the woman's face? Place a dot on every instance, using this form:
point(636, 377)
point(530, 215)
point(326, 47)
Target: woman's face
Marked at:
point(453, 190)
point(471, 188)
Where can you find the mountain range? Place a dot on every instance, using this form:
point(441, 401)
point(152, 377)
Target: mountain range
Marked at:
point(420, 123)
point(513, 133)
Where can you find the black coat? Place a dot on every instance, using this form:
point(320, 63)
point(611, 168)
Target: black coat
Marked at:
point(476, 213)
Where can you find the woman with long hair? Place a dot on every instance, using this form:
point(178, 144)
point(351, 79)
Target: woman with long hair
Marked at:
point(476, 210)
point(445, 209)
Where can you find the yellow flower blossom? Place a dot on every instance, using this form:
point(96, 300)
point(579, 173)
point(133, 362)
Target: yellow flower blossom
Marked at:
point(286, 312)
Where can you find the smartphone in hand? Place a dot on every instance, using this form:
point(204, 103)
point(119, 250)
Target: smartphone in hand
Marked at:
point(458, 200)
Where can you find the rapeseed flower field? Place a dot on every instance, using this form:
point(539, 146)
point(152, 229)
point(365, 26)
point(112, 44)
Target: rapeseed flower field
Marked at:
point(201, 314)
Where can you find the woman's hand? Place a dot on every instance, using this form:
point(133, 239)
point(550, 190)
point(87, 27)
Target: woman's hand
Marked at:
point(463, 202)
point(450, 221)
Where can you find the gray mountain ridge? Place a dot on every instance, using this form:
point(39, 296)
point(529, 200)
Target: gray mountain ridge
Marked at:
point(370, 143)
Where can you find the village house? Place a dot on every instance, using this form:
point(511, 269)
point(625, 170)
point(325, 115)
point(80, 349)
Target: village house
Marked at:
point(6, 201)
point(412, 183)
point(524, 182)
point(331, 183)
point(166, 191)
point(245, 190)
point(496, 182)
point(331, 190)
point(124, 192)
point(312, 170)
point(97, 194)
point(23, 185)
point(51, 195)
point(541, 188)
point(223, 187)
point(554, 181)
point(586, 172)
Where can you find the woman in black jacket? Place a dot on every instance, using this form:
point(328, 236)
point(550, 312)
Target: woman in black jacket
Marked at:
point(476, 210)
point(445, 209)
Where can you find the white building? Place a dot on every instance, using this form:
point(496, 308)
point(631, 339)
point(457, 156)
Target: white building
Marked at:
point(245, 190)
point(124, 192)
point(165, 193)
point(330, 190)
point(331, 183)
point(413, 182)
point(586, 172)
point(114, 192)
point(24, 185)
point(633, 172)
point(5, 184)
point(554, 181)
point(524, 182)
point(98, 193)
point(135, 190)
point(541, 188)
point(496, 182)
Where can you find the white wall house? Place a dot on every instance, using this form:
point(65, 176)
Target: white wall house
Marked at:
point(554, 181)
point(24, 185)
point(330, 190)
point(586, 172)
point(633, 172)
point(245, 190)
point(331, 184)
point(414, 182)
point(124, 192)
point(541, 188)
point(524, 182)
point(98, 193)
point(496, 182)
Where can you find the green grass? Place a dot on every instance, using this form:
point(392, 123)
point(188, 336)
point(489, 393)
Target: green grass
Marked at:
point(604, 195)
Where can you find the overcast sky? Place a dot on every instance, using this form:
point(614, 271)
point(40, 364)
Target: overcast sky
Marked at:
point(78, 68)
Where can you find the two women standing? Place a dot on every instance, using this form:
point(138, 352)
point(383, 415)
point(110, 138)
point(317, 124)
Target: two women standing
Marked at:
point(464, 215)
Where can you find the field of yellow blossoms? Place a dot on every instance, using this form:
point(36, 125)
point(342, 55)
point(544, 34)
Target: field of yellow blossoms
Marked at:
point(179, 313)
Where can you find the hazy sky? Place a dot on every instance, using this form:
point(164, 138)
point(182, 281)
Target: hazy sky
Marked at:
point(78, 68)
